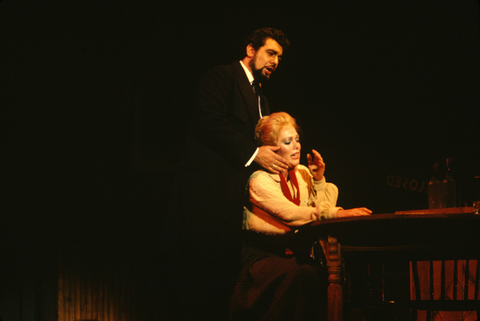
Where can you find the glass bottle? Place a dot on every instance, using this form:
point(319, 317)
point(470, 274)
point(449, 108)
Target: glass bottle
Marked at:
point(476, 195)
point(449, 186)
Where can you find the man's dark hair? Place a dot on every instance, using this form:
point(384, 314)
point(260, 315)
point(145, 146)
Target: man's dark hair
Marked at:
point(258, 37)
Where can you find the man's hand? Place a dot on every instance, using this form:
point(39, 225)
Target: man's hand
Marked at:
point(360, 211)
point(270, 161)
point(316, 165)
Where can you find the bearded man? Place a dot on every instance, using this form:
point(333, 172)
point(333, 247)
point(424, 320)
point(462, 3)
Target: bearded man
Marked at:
point(220, 155)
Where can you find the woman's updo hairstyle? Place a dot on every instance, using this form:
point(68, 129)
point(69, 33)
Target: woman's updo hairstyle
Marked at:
point(269, 127)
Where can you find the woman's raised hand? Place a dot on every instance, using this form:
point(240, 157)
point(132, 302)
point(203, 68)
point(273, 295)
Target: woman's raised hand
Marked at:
point(316, 165)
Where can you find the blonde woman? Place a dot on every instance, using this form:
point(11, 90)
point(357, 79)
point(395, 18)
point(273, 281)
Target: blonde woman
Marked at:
point(275, 282)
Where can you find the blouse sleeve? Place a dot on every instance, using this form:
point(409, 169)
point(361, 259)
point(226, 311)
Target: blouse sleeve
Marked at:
point(325, 196)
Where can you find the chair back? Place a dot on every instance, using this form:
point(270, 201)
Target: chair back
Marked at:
point(444, 290)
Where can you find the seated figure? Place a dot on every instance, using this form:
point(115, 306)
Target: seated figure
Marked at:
point(277, 280)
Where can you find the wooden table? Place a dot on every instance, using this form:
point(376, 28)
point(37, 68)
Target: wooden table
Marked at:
point(414, 236)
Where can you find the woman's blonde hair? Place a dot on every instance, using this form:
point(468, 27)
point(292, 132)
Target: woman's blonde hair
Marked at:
point(269, 127)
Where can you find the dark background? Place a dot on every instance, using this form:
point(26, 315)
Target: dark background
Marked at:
point(95, 97)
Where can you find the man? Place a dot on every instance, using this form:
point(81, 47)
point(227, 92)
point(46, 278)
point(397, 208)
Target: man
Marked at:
point(230, 117)
point(220, 155)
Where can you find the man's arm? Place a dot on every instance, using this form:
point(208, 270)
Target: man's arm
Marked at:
point(221, 130)
point(217, 92)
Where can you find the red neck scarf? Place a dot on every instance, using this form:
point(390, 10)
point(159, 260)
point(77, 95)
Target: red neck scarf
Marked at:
point(286, 190)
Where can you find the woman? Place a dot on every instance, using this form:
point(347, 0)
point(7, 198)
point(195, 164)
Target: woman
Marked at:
point(276, 283)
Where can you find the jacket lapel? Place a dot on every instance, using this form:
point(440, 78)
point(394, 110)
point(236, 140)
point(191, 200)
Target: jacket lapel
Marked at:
point(247, 91)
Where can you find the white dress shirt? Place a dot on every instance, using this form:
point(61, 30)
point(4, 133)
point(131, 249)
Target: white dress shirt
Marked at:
point(251, 79)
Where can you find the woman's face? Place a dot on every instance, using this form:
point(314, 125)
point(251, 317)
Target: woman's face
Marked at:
point(290, 147)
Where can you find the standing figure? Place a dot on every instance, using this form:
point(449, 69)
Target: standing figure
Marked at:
point(219, 156)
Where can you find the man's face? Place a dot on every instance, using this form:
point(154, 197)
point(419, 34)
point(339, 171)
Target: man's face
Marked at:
point(266, 59)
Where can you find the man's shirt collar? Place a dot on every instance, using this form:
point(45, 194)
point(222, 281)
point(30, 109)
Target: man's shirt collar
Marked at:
point(247, 72)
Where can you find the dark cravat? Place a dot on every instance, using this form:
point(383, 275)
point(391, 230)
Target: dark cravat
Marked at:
point(258, 90)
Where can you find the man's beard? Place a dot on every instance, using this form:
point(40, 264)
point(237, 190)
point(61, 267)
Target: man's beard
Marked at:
point(257, 73)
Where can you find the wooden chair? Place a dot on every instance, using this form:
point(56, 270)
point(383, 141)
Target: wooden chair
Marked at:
point(444, 290)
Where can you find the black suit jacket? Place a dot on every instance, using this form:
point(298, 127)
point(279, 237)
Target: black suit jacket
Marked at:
point(203, 228)
point(211, 176)
point(225, 117)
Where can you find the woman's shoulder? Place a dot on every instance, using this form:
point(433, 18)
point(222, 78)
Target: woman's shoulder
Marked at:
point(261, 173)
point(302, 170)
point(262, 176)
